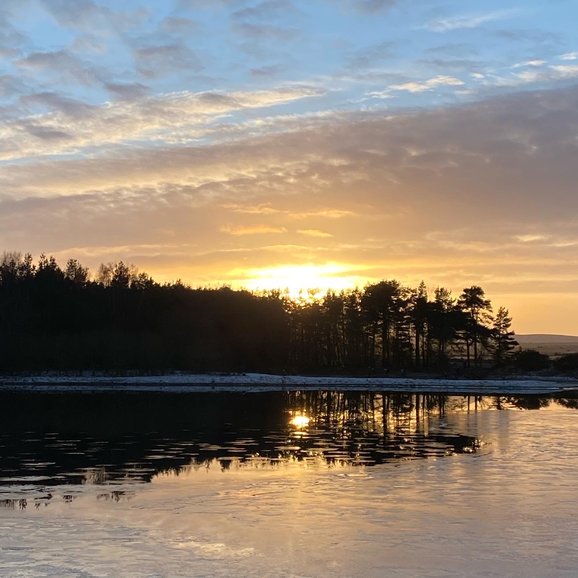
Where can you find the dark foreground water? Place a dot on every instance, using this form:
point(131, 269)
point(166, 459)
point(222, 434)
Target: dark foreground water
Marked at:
point(287, 484)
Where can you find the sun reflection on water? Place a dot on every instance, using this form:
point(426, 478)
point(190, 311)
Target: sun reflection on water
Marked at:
point(300, 421)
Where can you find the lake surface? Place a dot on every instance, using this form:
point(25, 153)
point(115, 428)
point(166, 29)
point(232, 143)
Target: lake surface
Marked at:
point(287, 484)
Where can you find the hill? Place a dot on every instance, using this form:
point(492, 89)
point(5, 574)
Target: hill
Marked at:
point(546, 338)
point(548, 343)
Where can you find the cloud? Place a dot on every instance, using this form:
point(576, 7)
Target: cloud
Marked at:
point(53, 101)
point(534, 74)
point(372, 6)
point(269, 9)
point(75, 13)
point(315, 233)
point(266, 32)
point(266, 71)
point(253, 230)
point(195, 4)
point(456, 65)
point(86, 15)
point(530, 63)
point(163, 59)
point(546, 40)
point(179, 26)
point(47, 134)
point(530, 238)
point(127, 90)
point(381, 94)
point(12, 86)
point(467, 21)
point(566, 71)
point(61, 65)
point(323, 214)
point(261, 209)
point(435, 82)
point(178, 117)
point(371, 56)
point(11, 40)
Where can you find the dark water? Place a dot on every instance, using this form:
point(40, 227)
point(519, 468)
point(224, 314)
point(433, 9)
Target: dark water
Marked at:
point(77, 439)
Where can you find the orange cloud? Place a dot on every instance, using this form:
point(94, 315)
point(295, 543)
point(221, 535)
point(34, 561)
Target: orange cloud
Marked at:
point(315, 233)
point(253, 230)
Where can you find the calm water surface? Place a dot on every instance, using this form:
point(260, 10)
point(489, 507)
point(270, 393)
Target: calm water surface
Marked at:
point(287, 484)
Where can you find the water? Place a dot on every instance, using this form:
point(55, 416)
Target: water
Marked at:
point(287, 484)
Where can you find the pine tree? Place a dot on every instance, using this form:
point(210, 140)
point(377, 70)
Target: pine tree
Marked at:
point(504, 341)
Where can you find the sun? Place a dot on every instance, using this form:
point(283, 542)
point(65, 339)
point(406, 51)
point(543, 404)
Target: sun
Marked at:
point(302, 281)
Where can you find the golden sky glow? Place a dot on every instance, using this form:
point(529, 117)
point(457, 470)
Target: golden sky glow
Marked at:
point(300, 281)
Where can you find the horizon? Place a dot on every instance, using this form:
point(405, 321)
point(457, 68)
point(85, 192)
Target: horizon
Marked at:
point(265, 144)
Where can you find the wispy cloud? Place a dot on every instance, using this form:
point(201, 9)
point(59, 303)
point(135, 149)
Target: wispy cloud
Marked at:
point(262, 209)
point(431, 83)
point(239, 231)
point(381, 94)
point(323, 213)
point(127, 90)
point(315, 233)
point(529, 63)
point(179, 117)
point(468, 21)
point(531, 237)
point(566, 71)
point(530, 75)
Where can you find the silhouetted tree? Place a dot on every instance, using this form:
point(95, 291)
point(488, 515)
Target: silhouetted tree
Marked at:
point(477, 308)
point(75, 272)
point(503, 339)
point(567, 363)
point(444, 321)
point(531, 360)
point(380, 303)
point(418, 310)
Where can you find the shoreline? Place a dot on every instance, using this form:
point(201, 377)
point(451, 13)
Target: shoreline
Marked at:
point(259, 382)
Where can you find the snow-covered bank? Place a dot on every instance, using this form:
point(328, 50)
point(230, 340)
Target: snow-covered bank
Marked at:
point(255, 382)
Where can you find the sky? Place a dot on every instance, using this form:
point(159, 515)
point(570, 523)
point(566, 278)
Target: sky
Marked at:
point(293, 143)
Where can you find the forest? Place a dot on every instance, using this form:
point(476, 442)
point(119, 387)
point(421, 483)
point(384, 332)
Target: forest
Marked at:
point(55, 318)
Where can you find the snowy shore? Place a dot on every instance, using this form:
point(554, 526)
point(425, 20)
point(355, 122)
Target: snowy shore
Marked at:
point(259, 382)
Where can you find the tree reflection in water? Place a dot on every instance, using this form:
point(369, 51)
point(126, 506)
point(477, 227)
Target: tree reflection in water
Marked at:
point(106, 440)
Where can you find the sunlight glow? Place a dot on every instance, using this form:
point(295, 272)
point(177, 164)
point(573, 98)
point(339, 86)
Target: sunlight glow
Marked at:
point(303, 281)
point(300, 421)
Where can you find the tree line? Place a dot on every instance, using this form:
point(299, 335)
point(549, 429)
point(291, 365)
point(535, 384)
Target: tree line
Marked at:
point(120, 319)
point(387, 326)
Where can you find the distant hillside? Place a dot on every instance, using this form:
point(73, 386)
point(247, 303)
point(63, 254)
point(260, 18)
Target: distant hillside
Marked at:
point(545, 338)
point(549, 344)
